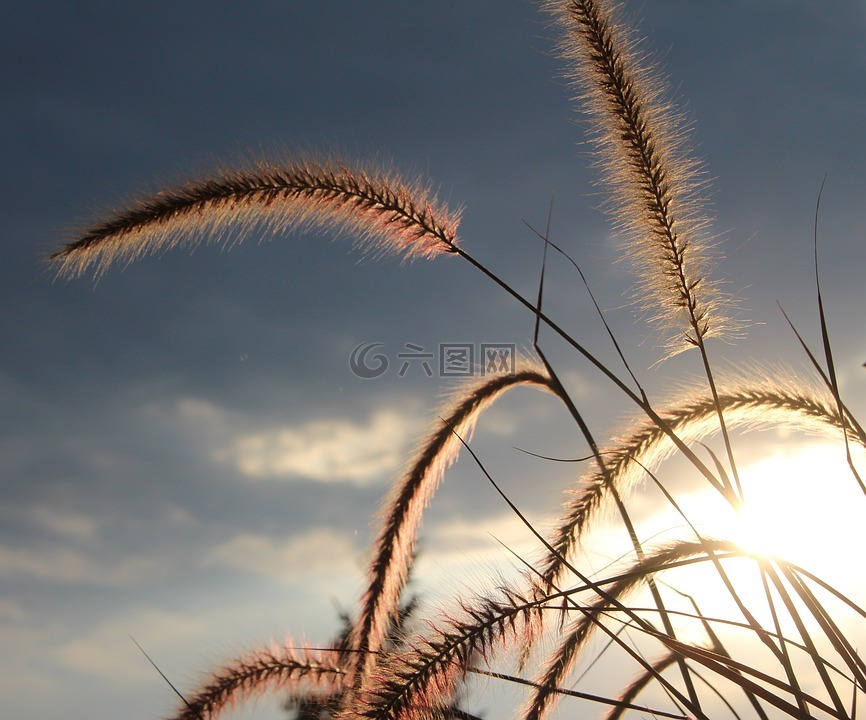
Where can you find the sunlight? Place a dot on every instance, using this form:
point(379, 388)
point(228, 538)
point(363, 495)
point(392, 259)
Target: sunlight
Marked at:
point(804, 506)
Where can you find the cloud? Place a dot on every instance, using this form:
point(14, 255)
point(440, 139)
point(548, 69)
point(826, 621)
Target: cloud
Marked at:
point(22, 675)
point(321, 551)
point(11, 611)
point(65, 524)
point(64, 565)
point(106, 651)
point(326, 450)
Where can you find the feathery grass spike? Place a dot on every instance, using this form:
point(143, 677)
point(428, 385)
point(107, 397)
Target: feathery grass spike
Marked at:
point(768, 404)
point(380, 210)
point(653, 182)
point(280, 668)
point(395, 545)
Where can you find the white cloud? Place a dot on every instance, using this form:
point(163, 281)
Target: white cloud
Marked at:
point(60, 564)
point(22, 675)
point(326, 450)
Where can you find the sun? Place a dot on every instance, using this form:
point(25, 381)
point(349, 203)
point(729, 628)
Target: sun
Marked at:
point(803, 505)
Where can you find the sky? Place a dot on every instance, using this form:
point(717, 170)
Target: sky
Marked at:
point(186, 457)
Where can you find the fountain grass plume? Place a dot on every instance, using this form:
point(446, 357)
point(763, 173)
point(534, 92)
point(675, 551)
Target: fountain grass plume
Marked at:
point(421, 682)
point(382, 211)
point(655, 186)
point(394, 547)
point(773, 402)
point(284, 668)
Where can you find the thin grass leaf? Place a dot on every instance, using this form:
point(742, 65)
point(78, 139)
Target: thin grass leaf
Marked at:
point(559, 663)
point(782, 653)
point(718, 646)
point(721, 696)
point(623, 512)
point(811, 649)
point(850, 421)
point(832, 631)
point(164, 677)
point(620, 704)
point(612, 612)
point(767, 404)
point(598, 311)
point(627, 697)
point(740, 673)
point(828, 348)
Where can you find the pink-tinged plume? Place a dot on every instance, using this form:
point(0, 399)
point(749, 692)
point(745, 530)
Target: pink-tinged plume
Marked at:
point(380, 210)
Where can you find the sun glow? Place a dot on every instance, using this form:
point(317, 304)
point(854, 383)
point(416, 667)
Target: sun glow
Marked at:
point(804, 506)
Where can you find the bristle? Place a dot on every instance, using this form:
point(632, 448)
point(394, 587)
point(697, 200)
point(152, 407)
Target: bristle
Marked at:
point(291, 671)
point(754, 405)
point(561, 661)
point(654, 184)
point(395, 545)
point(382, 213)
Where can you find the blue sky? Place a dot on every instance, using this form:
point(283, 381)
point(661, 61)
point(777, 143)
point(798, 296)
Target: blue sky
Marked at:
point(168, 462)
